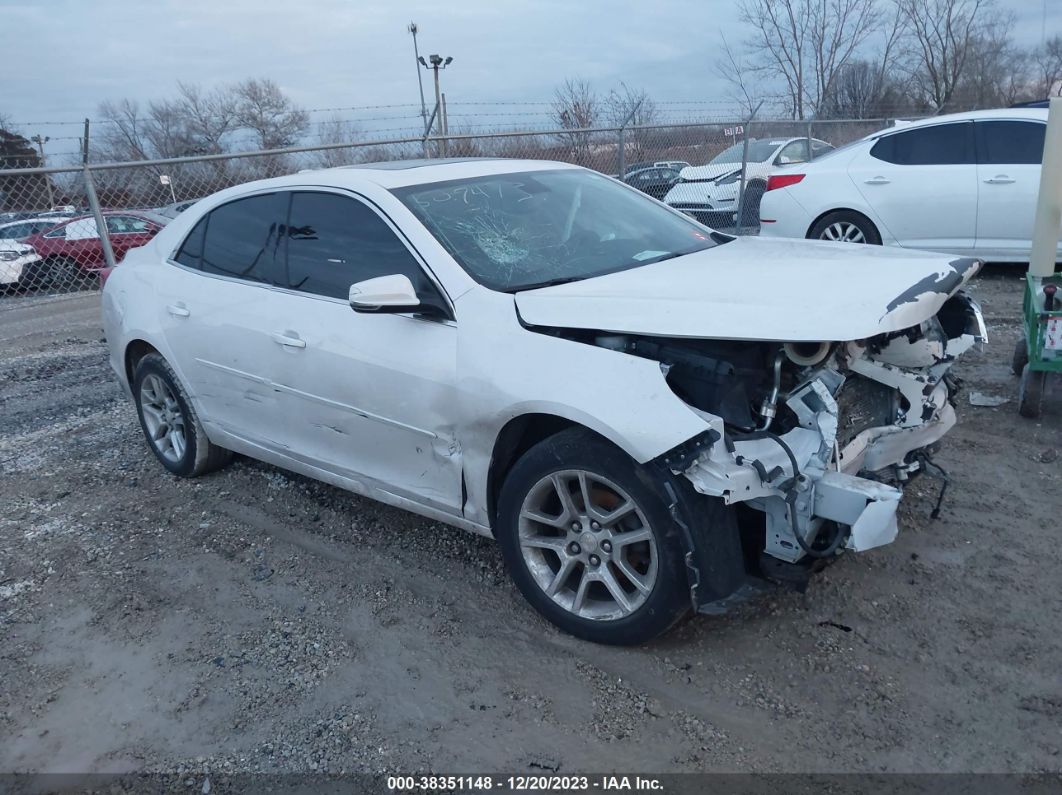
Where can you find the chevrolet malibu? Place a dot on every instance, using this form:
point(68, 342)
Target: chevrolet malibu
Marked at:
point(651, 418)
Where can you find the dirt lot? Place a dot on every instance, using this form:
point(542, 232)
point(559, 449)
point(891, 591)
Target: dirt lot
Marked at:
point(255, 620)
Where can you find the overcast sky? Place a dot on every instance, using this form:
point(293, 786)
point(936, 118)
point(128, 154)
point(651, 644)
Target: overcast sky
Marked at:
point(66, 56)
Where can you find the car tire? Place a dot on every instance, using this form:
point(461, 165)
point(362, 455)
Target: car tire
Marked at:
point(750, 202)
point(1031, 392)
point(62, 273)
point(171, 426)
point(845, 226)
point(1020, 357)
point(570, 565)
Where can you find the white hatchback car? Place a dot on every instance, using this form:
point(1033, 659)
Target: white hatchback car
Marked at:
point(709, 193)
point(965, 183)
point(539, 353)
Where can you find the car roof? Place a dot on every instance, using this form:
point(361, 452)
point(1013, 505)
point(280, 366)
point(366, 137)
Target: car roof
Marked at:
point(402, 173)
point(1011, 114)
point(51, 219)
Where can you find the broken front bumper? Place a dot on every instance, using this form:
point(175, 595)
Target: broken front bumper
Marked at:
point(802, 478)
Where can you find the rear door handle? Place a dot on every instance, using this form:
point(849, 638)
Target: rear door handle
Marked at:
point(282, 338)
point(878, 181)
point(178, 310)
point(999, 179)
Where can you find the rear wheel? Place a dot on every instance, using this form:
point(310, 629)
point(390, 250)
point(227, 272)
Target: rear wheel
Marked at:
point(845, 226)
point(589, 541)
point(169, 421)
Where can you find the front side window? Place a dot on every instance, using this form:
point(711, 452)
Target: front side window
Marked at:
point(530, 229)
point(334, 242)
point(243, 239)
point(939, 145)
point(1010, 142)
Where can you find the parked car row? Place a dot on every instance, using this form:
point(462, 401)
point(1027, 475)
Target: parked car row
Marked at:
point(49, 252)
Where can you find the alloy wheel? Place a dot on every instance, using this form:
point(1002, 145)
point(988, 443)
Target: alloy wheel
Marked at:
point(588, 545)
point(163, 418)
point(843, 232)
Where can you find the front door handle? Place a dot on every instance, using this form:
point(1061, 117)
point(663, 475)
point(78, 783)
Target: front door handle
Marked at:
point(999, 179)
point(178, 310)
point(285, 338)
point(877, 181)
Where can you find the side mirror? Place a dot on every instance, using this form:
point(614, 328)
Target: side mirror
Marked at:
point(394, 293)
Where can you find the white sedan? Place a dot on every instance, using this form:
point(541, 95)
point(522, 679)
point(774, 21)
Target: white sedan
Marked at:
point(709, 193)
point(538, 353)
point(965, 183)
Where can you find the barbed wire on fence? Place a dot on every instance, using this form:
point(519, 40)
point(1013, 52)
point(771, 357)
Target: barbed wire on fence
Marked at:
point(67, 215)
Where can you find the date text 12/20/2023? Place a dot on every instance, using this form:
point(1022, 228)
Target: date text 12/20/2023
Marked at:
point(544, 783)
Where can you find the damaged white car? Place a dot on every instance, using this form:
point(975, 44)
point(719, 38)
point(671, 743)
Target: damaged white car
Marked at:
point(650, 417)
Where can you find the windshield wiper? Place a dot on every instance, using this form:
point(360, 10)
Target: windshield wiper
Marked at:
point(547, 283)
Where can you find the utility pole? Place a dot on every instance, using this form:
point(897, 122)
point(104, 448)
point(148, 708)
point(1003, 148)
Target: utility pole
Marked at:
point(85, 145)
point(437, 63)
point(47, 179)
point(420, 80)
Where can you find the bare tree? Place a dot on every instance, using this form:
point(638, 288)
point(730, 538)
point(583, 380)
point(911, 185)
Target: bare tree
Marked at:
point(738, 73)
point(576, 107)
point(337, 131)
point(209, 116)
point(944, 35)
point(1047, 60)
point(263, 108)
point(807, 43)
point(626, 105)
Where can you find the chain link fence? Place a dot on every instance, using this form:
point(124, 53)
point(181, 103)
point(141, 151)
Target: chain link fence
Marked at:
point(59, 227)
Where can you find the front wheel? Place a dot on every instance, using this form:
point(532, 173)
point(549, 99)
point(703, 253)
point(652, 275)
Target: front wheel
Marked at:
point(845, 226)
point(1031, 392)
point(1020, 357)
point(590, 543)
point(750, 203)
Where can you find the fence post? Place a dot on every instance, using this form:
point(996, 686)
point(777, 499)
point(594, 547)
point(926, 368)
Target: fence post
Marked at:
point(621, 165)
point(740, 215)
point(622, 155)
point(97, 213)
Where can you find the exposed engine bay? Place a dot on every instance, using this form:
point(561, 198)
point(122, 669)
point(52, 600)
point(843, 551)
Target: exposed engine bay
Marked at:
point(813, 434)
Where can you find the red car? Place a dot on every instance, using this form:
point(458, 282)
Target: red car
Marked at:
point(74, 247)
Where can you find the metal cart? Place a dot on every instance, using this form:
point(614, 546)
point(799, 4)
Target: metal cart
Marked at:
point(1039, 352)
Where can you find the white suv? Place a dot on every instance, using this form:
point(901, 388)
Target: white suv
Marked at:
point(965, 183)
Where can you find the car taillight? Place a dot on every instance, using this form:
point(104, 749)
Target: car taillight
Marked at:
point(775, 181)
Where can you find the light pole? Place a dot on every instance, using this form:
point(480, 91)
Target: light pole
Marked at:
point(420, 80)
point(437, 63)
point(47, 179)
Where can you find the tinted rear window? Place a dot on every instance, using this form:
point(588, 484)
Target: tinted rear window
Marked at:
point(1010, 142)
point(940, 145)
point(243, 239)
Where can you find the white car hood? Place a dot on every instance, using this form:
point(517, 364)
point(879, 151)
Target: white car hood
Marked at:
point(716, 170)
point(756, 289)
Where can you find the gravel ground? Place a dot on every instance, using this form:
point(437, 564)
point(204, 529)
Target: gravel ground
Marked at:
point(254, 620)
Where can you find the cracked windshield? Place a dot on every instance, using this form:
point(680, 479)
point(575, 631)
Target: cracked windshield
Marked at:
point(540, 228)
